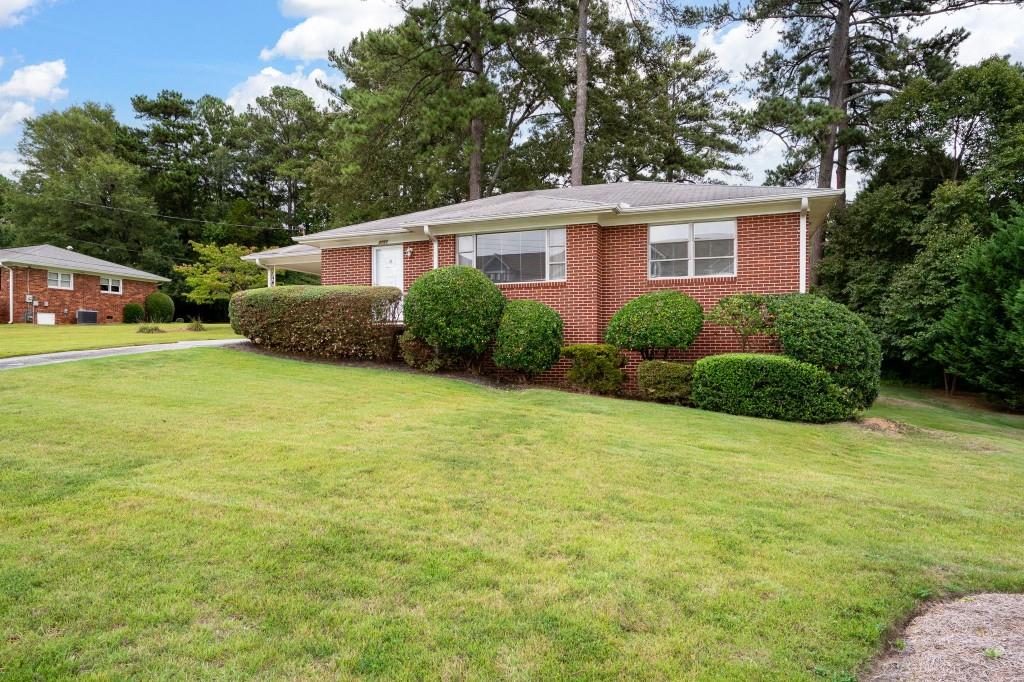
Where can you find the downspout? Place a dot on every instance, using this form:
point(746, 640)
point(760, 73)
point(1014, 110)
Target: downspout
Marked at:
point(804, 208)
point(271, 273)
point(433, 238)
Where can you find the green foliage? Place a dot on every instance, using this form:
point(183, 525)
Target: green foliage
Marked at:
point(149, 329)
point(665, 382)
point(219, 273)
point(196, 325)
point(770, 386)
point(330, 321)
point(418, 354)
point(656, 322)
point(745, 314)
point(529, 338)
point(596, 367)
point(159, 307)
point(133, 313)
point(984, 330)
point(455, 310)
point(826, 334)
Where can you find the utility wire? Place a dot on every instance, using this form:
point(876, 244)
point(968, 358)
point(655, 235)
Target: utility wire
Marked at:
point(172, 217)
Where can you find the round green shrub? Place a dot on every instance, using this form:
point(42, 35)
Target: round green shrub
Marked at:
point(529, 338)
point(418, 354)
point(596, 367)
point(829, 335)
point(454, 309)
point(133, 313)
point(159, 307)
point(658, 321)
point(771, 386)
point(665, 382)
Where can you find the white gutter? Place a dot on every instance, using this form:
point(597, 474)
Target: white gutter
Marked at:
point(10, 292)
point(804, 208)
point(271, 272)
point(433, 239)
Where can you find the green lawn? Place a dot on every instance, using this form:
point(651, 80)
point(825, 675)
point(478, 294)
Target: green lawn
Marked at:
point(213, 513)
point(29, 339)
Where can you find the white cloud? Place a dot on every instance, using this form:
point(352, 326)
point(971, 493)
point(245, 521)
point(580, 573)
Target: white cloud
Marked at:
point(328, 24)
point(12, 114)
point(10, 164)
point(13, 12)
point(36, 81)
point(994, 29)
point(247, 91)
point(736, 47)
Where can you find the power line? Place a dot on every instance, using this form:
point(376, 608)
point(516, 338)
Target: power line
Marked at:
point(172, 217)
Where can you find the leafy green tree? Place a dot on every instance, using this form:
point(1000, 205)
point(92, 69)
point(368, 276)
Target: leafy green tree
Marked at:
point(219, 272)
point(982, 332)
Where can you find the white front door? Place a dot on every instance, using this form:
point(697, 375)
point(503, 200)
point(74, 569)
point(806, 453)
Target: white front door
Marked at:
point(387, 267)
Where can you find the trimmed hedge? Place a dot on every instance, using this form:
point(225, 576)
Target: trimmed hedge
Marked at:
point(133, 313)
point(658, 321)
point(417, 354)
point(596, 367)
point(829, 335)
point(529, 338)
point(454, 309)
point(771, 386)
point(159, 307)
point(330, 321)
point(665, 382)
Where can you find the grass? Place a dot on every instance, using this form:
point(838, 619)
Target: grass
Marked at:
point(29, 339)
point(213, 513)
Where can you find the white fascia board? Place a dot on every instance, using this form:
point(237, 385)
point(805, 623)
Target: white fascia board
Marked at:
point(154, 279)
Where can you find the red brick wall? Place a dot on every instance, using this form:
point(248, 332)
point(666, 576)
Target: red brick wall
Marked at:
point(65, 303)
point(607, 266)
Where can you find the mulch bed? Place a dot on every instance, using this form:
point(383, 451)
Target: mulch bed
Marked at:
point(978, 638)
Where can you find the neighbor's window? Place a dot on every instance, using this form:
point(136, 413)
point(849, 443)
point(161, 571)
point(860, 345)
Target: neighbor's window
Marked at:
point(60, 280)
point(692, 249)
point(110, 286)
point(528, 256)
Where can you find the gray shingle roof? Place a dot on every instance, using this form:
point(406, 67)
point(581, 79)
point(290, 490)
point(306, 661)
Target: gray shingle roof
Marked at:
point(633, 195)
point(290, 250)
point(47, 256)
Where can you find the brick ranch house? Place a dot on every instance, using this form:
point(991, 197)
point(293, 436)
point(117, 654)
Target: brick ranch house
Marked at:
point(45, 284)
point(585, 251)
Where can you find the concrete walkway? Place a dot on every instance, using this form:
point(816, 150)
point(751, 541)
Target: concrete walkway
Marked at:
point(75, 355)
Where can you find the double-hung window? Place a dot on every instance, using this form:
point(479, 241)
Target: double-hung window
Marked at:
point(527, 256)
point(110, 285)
point(60, 280)
point(692, 249)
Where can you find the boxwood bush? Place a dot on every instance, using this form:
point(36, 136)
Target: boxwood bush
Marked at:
point(665, 382)
point(133, 313)
point(529, 338)
point(830, 336)
point(596, 367)
point(655, 323)
point(772, 386)
point(455, 310)
point(417, 354)
point(159, 307)
point(331, 321)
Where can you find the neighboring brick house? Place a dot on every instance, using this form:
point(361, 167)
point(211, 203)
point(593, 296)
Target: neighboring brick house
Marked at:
point(48, 285)
point(586, 251)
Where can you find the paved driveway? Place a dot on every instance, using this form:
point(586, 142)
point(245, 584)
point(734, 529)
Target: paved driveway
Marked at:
point(75, 355)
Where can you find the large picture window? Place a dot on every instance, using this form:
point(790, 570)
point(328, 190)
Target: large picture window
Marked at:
point(528, 256)
point(692, 249)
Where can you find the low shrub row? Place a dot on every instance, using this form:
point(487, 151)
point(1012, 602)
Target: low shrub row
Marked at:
point(335, 321)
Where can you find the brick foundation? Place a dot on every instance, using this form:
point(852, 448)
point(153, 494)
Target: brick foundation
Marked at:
point(64, 303)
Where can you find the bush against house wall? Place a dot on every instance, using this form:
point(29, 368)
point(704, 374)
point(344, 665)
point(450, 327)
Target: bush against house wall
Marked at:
point(330, 321)
point(664, 381)
point(771, 386)
point(529, 339)
point(596, 367)
point(656, 323)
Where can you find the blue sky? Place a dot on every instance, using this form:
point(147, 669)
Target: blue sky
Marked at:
point(55, 53)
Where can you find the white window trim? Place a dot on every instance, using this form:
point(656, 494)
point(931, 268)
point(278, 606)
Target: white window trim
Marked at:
point(690, 251)
point(111, 280)
point(547, 254)
point(71, 276)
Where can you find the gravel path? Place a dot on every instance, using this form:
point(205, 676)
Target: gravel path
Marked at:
point(74, 355)
point(978, 638)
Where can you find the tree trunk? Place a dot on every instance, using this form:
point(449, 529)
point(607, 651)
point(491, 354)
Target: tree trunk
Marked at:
point(579, 119)
point(838, 72)
point(476, 124)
